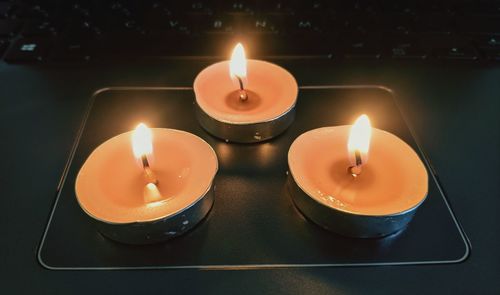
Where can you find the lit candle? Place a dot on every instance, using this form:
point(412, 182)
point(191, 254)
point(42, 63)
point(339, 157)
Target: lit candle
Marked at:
point(337, 188)
point(244, 100)
point(139, 195)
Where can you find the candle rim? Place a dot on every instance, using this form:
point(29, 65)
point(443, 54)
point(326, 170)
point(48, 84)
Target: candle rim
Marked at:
point(147, 220)
point(223, 63)
point(129, 133)
point(345, 210)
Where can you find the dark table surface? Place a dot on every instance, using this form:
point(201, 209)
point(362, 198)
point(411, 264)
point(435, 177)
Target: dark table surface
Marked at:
point(454, 109)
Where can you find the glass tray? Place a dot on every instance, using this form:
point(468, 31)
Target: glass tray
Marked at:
point(253, 223)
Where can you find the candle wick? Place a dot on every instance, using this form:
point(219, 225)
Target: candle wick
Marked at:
point(145, 162)
point(240, 81)
point(357, 155)
point(356, 170)
point(242, 93)
point(148, 173)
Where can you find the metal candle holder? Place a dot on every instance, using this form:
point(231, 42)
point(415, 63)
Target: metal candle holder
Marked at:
point(266, 82)
point(245, 133)
point(346, 223)
point(160, 229)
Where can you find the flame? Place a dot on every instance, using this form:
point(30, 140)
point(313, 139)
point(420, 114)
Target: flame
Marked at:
point(238, 62)
point(359, 139)
point(142, 141)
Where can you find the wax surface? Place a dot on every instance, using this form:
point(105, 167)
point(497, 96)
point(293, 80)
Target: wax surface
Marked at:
point(272, 92)
point(393, 181)
point(110, 184)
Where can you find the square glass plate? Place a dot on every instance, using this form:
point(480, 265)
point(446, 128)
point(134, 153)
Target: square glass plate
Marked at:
point(253, 223)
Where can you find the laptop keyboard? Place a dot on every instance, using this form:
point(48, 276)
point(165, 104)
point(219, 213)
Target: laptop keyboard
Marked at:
point(68, 31)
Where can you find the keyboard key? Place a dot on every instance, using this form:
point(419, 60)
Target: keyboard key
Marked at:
point(237, 6)
point(302, 23)
point(360, 47)
point(354, 23)
point(363, 6)
point(393, 23)
point(459, 53)
point(407, 50)
point(315, 6)
point(223, 23)
point(278, 6)
point(197, 7)
point(170, 24)
point(27, 50)
point(73, 50)
point(485, 40)
point(269, 23)
point(39, 28)
point(83, 29)
point(25, 11)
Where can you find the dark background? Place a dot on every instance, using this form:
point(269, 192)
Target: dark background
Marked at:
point(454, 110)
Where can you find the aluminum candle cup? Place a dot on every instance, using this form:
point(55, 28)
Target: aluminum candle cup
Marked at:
point(380, 201)
point(112, 188)
point(268, 111)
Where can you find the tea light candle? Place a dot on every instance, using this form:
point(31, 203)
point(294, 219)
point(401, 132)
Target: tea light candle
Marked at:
point(340, 190)
point(138, 196)
point(245, 100)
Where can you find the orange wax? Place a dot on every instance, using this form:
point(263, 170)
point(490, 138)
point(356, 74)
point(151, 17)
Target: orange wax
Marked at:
point(272, 91)
point(111, 184)
point(394, 179)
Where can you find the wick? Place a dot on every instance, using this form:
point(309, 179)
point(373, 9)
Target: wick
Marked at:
point(356, 170)
point(243, 94)
point(148, 173)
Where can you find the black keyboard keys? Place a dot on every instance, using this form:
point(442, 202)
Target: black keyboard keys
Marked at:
point(239, 7)
point(72, 50)
point(360, 47)
point(456, 52)
point(488, 44)
point(268, 23)
point(404, 47)
point(39, 28)
point(306, 23)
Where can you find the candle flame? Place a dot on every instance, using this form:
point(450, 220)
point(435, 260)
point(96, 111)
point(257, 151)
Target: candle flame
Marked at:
point(358, 144)
point(142, 141)
point(238, 62)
